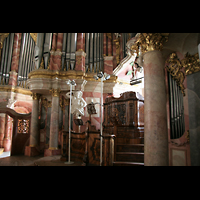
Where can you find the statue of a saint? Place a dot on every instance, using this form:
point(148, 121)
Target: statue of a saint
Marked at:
point(78, 104)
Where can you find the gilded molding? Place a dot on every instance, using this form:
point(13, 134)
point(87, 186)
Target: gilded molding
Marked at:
point(7, 88)
point(2, 38)
point(35, 96)
point(149, 42)
point(70, 74)
point(174, 67)
point(191, 63)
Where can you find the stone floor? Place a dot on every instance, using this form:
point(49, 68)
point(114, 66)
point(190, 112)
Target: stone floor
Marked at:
point(21, 160)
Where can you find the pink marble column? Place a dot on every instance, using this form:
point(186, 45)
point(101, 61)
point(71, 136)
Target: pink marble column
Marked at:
point(13, 78)
point(155, 120)
point(108, 64)
point(54, 126)
point(16, 52)
point(33, 148)
point(8, 134)
point(2, 129)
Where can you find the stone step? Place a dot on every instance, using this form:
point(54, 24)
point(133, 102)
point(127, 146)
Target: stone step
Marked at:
point(130, 156)
point(119, 163)
point(130, 148)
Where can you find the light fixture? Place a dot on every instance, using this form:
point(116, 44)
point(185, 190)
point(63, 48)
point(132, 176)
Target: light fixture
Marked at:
point(103, 77)
point(69, 82)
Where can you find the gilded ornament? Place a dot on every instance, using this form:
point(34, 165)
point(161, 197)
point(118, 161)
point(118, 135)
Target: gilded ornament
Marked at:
point(55, 92)
point(34, 36)
point(149, 42)
point(174, 67)
point(35, 96)
point(191, 63)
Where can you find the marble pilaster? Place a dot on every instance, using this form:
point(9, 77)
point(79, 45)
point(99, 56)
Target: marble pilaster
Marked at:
point(80, 60)
point(108, 64)
point(16, 52)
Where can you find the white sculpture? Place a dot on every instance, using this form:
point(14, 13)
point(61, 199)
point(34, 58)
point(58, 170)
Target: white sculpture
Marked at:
point(78, 104)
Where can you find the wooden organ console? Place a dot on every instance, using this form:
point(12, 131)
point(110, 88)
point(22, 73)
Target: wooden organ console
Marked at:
point(123, 134)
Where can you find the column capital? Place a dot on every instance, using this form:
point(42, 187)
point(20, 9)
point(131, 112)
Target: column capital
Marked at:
point(55, 92)
point(35, 96)
point(149, 42)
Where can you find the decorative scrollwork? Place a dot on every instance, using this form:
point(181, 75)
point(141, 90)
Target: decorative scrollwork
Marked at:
point(23, 126)
point(191, 63)
point(174, 67)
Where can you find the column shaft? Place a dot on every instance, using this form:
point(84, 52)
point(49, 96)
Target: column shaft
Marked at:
point(155, 120)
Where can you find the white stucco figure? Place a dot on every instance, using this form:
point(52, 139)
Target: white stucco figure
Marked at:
point(78, 104)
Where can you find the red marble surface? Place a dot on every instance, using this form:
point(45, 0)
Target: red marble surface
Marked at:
point(108, 66)
point(80, 63)
point(13, 78)
point(104, 43)
point(59, 41)
point(80, 41)
point(8, 134)
point(16, 51)
point(2, 130)
point(56, 65)
point(54, 41)
point(26, 105)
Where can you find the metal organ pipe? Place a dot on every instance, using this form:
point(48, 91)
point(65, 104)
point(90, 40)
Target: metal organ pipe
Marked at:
point(64, 49)
point(47, 48)
point(68, 50)
point(87, 35)
point(11, 35)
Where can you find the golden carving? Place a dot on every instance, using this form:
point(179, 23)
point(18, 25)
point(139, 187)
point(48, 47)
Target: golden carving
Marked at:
point(35, 96)
point(55, 92)
point(191, 63)
point(117, 45)
point(174, 67)
point(42, 64)
point(8, 88)
point(2, 37)
point(34, 36)
point(188, 136)
point(149, 42)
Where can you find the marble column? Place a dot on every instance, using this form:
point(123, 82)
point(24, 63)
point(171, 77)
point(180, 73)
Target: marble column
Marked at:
point(2, 128)
point(155, 117)
point(13, 78)
point(8, 134)
point(54, 125)
point(155, 110)
point(33, 148)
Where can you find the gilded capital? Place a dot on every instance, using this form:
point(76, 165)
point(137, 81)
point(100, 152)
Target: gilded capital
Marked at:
point(55, 92)
point(146, 42)
point(35, 96)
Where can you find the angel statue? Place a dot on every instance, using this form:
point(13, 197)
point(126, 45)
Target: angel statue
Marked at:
point(78, 104)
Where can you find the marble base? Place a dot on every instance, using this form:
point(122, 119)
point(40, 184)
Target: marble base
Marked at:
point(31, 151)
point(50, 152)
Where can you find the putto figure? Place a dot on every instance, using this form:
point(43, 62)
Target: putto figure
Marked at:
point(78, 104)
